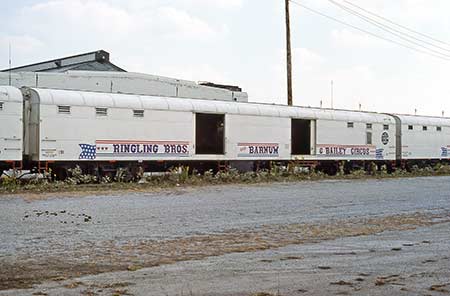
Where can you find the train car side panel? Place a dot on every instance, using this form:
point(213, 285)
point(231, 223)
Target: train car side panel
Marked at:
point(11, 124)
point(355, 140)
point(115, 136)
point(257, 137)
point(425, 138)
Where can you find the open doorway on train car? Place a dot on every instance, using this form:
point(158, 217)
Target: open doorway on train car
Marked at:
point(301, 137)
point(209, 133)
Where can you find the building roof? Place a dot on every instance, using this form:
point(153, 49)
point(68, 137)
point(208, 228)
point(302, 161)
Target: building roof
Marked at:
point(91, 61)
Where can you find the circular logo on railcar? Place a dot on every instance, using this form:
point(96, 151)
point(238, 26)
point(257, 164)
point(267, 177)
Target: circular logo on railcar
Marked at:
point(385, 138)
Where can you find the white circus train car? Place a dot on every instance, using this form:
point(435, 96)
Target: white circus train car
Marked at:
point(11, 127)
point(423, 138)
point(98, 128)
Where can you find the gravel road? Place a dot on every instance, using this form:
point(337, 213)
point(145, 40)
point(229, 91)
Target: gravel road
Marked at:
point(308, 238)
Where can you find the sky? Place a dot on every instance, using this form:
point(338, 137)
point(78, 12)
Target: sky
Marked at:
point(242, 42)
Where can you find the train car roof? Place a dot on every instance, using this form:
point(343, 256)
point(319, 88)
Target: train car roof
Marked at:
point(10, 94)
point(423, 120)
point(110, 100)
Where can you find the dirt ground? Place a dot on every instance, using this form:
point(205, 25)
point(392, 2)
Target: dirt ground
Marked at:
point(25, 271)
point(401, 262)
point(287, 239)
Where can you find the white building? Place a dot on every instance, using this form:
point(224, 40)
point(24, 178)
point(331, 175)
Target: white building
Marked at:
point(94, 72)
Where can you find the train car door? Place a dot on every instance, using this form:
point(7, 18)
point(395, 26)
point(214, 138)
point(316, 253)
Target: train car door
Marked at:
point(210, 134)
point(301, 137)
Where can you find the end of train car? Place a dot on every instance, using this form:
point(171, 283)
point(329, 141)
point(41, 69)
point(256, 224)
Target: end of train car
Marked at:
point(11, 128)
point(423, 138)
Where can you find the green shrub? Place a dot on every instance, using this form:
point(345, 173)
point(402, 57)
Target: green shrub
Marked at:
point(10, 184)
point(77, 177)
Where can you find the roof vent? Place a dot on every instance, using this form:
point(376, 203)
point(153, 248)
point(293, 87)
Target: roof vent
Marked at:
point(102, 56)
point(223, 86)
point(101, 111)
point(64, 109)
point(138, 113)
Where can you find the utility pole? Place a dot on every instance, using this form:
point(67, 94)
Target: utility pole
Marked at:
point(288, 55)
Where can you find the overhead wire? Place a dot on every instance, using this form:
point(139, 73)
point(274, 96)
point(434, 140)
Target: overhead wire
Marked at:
point(394, 31)
point(397, 24)
point(368, 32)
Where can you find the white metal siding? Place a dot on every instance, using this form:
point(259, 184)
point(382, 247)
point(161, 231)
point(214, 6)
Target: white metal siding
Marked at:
point(11, 124)
point(336, 134)
point(82, 126)
point(430, 144)
point(266, 127)
point(120, 82)
point(257, 132)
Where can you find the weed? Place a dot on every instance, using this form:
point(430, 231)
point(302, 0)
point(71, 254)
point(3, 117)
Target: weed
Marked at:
point(182, 175)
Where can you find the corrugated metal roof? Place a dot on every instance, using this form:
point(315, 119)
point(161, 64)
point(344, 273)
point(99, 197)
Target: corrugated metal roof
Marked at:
point(93, 61)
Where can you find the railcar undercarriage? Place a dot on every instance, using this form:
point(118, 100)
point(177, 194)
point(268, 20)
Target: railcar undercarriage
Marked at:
point(130, 171)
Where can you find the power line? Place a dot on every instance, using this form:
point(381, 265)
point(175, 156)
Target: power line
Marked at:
point(386, 27)
point(368, 32)
point(393, 31)
point(397, 24)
